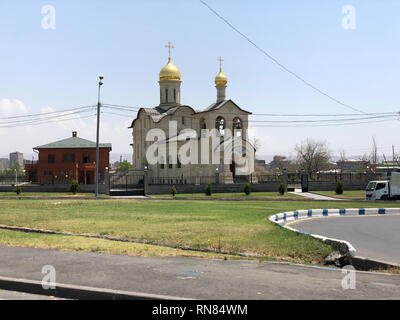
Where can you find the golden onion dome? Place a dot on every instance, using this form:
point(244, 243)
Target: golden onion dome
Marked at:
point(170, 72)
point(221, 79)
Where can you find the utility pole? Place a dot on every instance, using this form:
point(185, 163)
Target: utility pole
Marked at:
point(97, 138)
point(393, 153)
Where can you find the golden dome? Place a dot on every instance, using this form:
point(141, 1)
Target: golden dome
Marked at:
point(221, 79)
point(170, 72)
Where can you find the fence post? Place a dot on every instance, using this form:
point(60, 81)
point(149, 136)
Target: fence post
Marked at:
point(285, 178)
point(107, 183)
point(146, 182)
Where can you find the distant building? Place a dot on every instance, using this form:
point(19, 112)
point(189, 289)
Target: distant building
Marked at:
point(16, 157)
point(69, 159)
point(278, 162)
point(4, 163)
point(388, 166)
point(352, 165)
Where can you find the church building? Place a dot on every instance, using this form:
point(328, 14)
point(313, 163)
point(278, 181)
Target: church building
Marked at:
point(221, 115)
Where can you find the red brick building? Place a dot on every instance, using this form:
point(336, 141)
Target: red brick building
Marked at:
point(69, 159)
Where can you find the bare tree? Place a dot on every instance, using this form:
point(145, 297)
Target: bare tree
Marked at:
point(256, 144)
point(313, 156)
point(342, 159)
point(374, 155)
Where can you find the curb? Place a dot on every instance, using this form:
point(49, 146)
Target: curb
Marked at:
point(77, 292)
point(342, 246)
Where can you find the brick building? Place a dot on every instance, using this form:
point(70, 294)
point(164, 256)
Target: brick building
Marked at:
point(69, 159)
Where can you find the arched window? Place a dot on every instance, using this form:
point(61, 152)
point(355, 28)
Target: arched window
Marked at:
point(203, 127)
point(166, 95)
point(220, 125)
point(237, 127)
point(174, 95)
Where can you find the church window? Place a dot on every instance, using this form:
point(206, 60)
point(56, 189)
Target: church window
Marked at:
point(179, 164)
point(174, 95)
point(183, 120)
point(166, 95)
point(203, 127)
point(162, 163)
point(237, 127)
point(170, 162)
point(220, 125)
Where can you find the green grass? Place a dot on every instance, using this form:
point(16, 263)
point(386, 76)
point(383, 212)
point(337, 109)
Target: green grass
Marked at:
point(72, 243)
point(350, 194)
point(253, 195)
point(46, 194)
point(229, 226)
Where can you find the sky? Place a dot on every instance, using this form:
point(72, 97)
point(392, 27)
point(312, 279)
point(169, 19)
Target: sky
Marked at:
point(44, 70)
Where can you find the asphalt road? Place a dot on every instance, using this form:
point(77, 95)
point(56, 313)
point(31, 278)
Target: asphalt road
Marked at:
point(375, 237)
point(195, 278)
point(13, 295)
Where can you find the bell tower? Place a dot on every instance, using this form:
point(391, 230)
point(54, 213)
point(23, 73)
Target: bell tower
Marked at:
point(170, 83)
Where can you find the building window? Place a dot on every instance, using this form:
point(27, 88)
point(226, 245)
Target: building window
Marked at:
point(174, 95)
point(220, 125)
point(51, 158)
point(170, 162)
point(237, 127)
point(166, 95)
point(162, 163)
point(183, 120)
point(69, 158)
point(86, 158)
point(179, 164)
point(203, 127)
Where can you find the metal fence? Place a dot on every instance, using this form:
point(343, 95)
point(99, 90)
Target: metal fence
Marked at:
point(183, 180)
point(10, 180)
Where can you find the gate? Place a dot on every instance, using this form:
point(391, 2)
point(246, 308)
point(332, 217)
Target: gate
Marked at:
point(127, 183)
point(297, 181)
point(304, 183)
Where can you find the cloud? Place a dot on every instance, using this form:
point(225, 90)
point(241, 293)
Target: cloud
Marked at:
point(15, 107)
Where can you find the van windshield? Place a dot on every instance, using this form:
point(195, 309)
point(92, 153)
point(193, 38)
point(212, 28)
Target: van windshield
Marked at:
point(371, 186)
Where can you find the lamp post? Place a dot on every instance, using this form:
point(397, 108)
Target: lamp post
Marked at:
point(16, 177)
point(97, 137)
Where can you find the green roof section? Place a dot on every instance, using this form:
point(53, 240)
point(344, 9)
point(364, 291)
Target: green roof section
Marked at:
point(73, 143)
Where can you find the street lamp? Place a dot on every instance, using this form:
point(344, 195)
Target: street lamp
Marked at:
point(97, 137)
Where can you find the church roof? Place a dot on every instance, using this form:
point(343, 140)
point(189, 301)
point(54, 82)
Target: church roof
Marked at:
point(157, 113)
point(218, 105)
point(72, 143)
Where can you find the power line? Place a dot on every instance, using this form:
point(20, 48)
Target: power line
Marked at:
point(320, 125)
point(45, 113)
point(393, 113)
point(44, 122)
point(29, 120)
point(279, 63)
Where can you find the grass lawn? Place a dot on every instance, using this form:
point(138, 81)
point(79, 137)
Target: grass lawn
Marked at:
point(47, 194)
point(72, 243)
point(349, 194)
point(229, 226)
point(242, 195)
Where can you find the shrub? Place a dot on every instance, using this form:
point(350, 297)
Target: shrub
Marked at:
point(282, 189)
point(208, 190)
point(247, 189)
point(339, 188)
point(17, 190)
point(173, 191)
point(73, 186)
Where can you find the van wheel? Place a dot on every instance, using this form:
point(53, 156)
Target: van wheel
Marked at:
point(385, 197)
